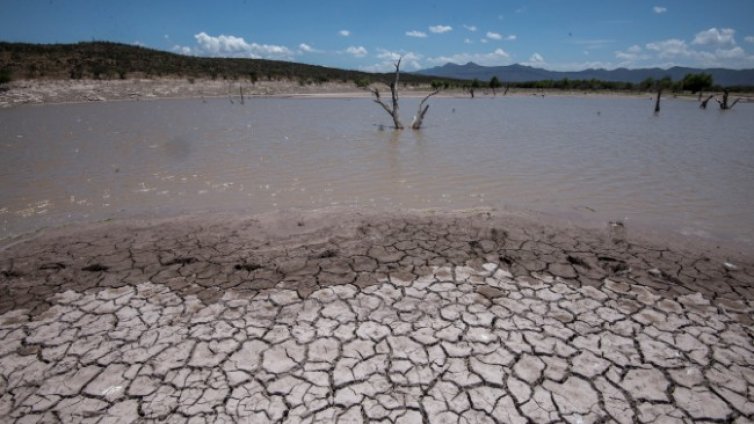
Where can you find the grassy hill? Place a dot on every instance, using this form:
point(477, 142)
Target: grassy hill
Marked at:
point(106, 60)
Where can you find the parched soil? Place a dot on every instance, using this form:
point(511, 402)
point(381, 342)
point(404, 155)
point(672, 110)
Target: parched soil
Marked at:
point(427, 317)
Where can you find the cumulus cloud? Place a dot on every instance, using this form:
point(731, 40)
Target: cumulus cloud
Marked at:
point(409, 60)
point(468, 41)
point(659, 9)
point(306, 48)
point(496, 57)
point(511, 37)
point(417, 34)
point(715, 36)
point(185, 50)
point(230, 45)
point(631, 54)
point(732, 53)
point(494, 36)
point(536, 59)
point(344, 33)
point(355, 51)
point(471, 28)
point(749, 38)
point(439, 29)
point(669, 48)
point(712, 47)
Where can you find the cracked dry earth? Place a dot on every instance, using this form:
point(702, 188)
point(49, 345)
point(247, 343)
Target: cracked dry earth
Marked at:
point(398, 319)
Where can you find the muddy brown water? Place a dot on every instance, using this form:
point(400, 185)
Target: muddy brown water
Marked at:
point(686, 170)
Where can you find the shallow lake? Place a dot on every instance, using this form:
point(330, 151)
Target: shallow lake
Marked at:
point(685, 170)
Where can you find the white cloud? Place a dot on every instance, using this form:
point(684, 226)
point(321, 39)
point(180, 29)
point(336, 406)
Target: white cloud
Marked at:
point(409, 60)
point(483, 41)
point(471, 28)
point(344, 33)
point(494, 36)
point(536, 59)
point(749, 38)
point(468, 41)
point(230, 45)
point(359, 51)
point(709, 48)
point(669, 48)
point(496, 57)
point(185, 50)
point(631, 54)
point(439, 29)
point(715, 36)
point(417, 34)
point(659, 9)
point(511, 37)
point(732, 53)
point(305, 48)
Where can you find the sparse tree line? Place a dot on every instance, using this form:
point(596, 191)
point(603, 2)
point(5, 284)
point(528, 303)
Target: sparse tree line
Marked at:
point(106, 60)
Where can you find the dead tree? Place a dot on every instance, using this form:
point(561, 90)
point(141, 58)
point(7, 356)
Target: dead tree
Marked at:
point(657, 101)
point(419, 118)
point(393, 112)
point(240, 89)
point(507, 87)
point(724, 104)
point(703, 104)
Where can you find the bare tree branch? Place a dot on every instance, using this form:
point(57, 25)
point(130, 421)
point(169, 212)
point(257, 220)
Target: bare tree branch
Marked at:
point(419, 118)
point(393, 112)
point(703, 104)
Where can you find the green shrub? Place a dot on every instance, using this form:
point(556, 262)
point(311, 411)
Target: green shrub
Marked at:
point(5, 76)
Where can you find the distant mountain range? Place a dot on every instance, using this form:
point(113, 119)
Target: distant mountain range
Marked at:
point(522, 73)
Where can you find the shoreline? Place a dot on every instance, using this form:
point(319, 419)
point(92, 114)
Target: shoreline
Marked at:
point(47, 92)
point(341, 223)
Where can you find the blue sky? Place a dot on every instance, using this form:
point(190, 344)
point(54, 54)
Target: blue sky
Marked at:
point(553, 34)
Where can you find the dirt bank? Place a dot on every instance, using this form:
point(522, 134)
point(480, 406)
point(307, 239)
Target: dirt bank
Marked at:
point(305, 251)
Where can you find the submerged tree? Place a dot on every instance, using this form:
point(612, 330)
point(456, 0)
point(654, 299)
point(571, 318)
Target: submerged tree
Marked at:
point(661, 84)
point(724, 103)
point(393, 112)
point(392, 109)
point(419, 117)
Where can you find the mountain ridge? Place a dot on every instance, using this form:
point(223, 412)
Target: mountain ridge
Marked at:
point(523, 73)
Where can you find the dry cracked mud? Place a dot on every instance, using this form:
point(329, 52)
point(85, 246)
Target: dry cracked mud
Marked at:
point(445, 318)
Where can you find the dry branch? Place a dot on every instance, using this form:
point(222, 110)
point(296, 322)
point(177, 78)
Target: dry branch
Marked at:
point(703, 104)
point(393, 112)
point(419, 118)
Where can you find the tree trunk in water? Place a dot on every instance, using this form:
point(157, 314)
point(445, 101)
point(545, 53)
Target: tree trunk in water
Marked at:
point(471, 91)
point(703, 105)
point(393, 112)
point(507, 87)
point(240, 89)
point(657, 101)
point(419, 118)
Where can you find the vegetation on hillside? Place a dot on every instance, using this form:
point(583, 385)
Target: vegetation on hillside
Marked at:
point(105, 60)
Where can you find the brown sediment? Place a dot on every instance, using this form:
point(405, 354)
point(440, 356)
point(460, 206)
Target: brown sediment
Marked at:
point(435, 314)
point(306, 251)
